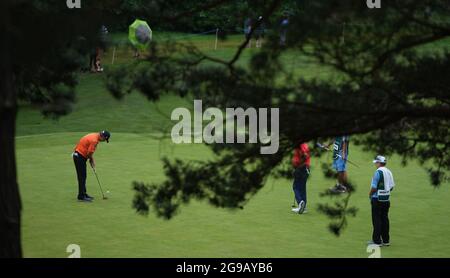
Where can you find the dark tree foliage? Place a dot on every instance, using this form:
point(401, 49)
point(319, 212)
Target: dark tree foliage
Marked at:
point(386, 84)
point(193, 15)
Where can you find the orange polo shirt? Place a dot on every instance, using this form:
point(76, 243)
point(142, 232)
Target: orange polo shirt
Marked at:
point(87, 145)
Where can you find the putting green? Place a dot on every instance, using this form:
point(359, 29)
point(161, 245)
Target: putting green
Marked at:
point(53, 219)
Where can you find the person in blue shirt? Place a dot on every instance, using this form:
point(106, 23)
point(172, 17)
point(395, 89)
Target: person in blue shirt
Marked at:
point(380, 191)
point(340, 155)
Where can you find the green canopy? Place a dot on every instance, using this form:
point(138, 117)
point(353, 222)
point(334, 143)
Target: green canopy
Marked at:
point(140, 34)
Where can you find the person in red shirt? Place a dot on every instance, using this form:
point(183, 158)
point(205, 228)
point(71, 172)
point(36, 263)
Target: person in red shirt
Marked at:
point(301, 162)
point(84, 151)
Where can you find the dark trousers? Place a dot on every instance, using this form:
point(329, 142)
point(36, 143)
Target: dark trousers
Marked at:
point(80, 166)
point(300, 177)
point(380, 221)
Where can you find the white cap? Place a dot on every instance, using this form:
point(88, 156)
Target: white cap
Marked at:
point(380, 159)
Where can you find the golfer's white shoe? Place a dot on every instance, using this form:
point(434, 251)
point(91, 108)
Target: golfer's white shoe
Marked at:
point(370, 242)
point(301, 207)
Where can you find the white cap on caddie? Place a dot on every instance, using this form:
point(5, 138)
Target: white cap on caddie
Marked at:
point(380, 159)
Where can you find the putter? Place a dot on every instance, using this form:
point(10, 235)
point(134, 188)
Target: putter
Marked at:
point(294, 203)
point(101, 190)
point(322, 146)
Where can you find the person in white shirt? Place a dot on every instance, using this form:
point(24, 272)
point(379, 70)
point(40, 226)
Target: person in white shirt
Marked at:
point(379, 194)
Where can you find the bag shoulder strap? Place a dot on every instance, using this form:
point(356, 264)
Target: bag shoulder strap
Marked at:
point(380, 185)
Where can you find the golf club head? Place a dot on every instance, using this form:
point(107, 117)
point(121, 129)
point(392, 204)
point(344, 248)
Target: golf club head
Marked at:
point(105, 198)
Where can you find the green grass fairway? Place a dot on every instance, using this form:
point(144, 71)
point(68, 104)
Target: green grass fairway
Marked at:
point(266, 227)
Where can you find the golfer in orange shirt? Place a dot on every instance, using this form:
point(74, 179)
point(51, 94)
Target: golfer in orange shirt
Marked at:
point(84, 151)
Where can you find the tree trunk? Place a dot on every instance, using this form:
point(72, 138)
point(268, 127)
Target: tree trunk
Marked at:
point(10, 205)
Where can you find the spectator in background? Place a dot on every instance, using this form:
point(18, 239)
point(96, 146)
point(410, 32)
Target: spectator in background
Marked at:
point(136, 53)
point(247, 30)
point(96, 54)
point(427, 12)
point(103, 44)
point(259, 32)
point(283, 29)
point(93, 59)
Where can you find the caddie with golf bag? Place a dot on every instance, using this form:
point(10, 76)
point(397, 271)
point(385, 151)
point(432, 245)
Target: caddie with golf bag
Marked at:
point(379, 194)
point(84, 151)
